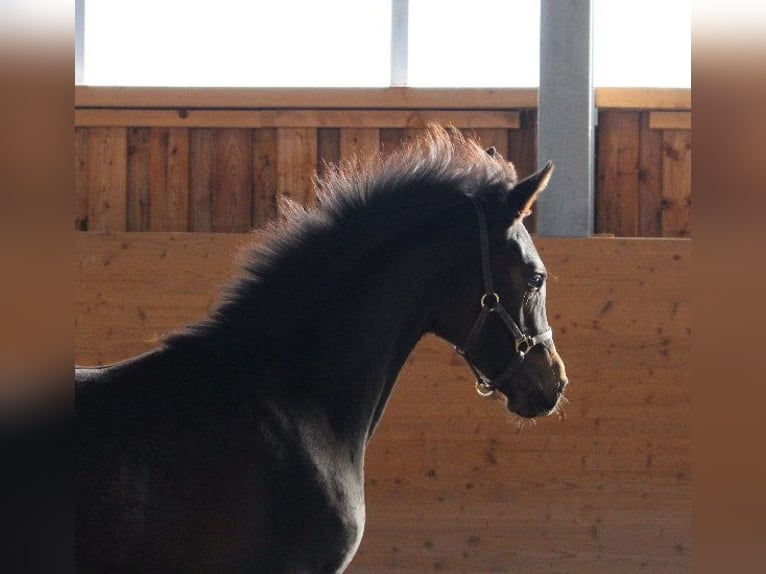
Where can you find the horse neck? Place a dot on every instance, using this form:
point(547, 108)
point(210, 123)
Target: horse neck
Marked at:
point(351, 350)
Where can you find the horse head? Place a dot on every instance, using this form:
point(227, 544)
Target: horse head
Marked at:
point(495, 313)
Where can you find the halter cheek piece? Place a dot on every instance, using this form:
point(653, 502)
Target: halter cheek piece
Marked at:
point(490, 303)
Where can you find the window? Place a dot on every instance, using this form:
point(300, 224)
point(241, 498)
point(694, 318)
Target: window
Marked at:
point(343, 43)
point(237, 43)
point(642, 44)
point(487, 43)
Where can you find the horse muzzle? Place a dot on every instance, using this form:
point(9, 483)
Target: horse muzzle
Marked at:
point(538, 388)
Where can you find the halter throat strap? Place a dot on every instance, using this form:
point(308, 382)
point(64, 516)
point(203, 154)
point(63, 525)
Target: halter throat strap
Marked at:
point(491, 304)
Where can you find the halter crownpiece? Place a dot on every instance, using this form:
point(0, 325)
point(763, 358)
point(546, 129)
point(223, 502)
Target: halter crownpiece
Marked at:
point(490, 303)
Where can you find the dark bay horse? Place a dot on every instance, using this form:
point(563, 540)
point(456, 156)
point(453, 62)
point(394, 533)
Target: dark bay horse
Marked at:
point(238, 445)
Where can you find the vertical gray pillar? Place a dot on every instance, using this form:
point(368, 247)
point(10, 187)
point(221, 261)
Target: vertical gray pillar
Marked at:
point(79, 41)
point(566, 117)
point(399, 41)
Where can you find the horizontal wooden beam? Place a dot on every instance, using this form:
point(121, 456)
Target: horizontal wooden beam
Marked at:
point(336, 98)
point(296, 118)
point(644, 98)
point(670, 120)
point(363, 98)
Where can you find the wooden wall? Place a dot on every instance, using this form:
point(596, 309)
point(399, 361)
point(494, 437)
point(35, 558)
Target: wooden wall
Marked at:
point(643, 173)
point(451, 484)
point(218, 160)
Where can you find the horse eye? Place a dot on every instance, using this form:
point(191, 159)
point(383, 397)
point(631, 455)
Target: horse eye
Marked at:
point(536, 281)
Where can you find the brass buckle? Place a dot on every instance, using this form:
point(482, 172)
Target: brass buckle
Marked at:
point(523, 345)
point(484, 389)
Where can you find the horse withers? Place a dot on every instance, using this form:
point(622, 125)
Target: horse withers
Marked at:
point(238, 444)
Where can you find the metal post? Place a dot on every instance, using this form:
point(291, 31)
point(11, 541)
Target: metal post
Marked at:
point(79, 41)
point(566, 117)
point(399, 37)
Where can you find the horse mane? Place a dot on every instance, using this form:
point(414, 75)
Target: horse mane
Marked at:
point(361, 204)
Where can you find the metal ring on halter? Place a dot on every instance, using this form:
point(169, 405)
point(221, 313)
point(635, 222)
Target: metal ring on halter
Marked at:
point(524, 345)
point(484, 389)
point(491, 304)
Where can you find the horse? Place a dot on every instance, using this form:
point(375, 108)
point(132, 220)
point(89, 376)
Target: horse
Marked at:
point(238, 444)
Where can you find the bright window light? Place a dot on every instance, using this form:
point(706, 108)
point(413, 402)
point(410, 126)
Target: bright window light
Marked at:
point(643, 43)
point(346, 43)
point(486, 43)
point(283, 43)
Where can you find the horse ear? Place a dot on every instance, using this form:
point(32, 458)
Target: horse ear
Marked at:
point(524, 193)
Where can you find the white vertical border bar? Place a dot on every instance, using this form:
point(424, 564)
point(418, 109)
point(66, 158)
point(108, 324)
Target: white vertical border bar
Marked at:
point(399, 40)
point(566, 117)
point(79, 42)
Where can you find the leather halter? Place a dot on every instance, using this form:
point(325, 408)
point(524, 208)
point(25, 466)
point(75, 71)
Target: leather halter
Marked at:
point(490, 304)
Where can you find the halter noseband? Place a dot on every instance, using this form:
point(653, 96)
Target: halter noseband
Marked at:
point(490, 303)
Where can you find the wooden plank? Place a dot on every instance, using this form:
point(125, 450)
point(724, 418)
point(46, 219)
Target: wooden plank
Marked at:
point(497, 138)
point(522, 152)
point(618, 173)
point(201, 179)
point(310, 118)
point(169, 179)
point(383, 98)
point(644, 98)
point(359, 143)
point(177, 182)
point(328, 146)
point(81, 179)
point(280, 98)
point(296, 164)
point(264, 176)
point(328, 149)
point(452, 484)
point(670, 120)
point(139, 180)
point(391, 139)
point(676, 183)
point(233, 181)
point(133, 288)
point(107, 179)
point(649, 179)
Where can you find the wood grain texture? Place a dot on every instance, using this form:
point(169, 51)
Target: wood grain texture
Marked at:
point(391, 140)
point(168, 179)
point(107, 179)
point(497, 138)
point(618, 173)
point(296, 164)
point(451, 483)
point(302, 98)
point(264, 176)
point(359, 143)
point(202, 150)
point(670, 120)
point(630, 179)
point(232, 202)
point(522, 152)
point(81, 196)
point(644, 98)
point(139, 178)
point(344, 98)
point(676, 183)
point(649, 179)
point(300, 118)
